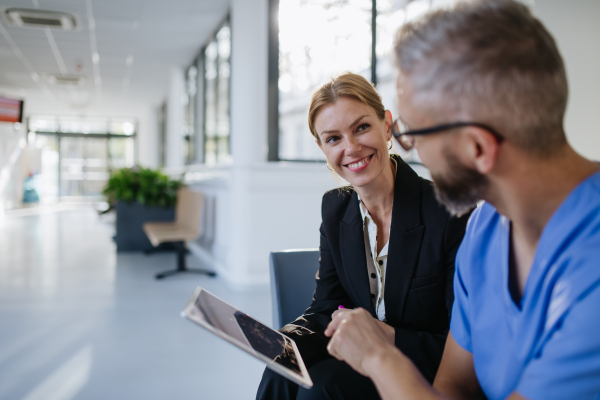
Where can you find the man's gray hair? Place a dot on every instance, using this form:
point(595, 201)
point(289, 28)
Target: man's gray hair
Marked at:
point(488, 61)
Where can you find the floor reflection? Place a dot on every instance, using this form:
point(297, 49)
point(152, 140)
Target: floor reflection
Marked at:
point(81, 322)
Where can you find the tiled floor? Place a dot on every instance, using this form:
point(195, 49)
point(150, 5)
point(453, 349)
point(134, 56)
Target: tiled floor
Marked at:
point(79, 321)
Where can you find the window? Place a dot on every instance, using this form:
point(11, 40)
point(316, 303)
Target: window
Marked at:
point(321, 38)
point(216, 97)
point(206, 126)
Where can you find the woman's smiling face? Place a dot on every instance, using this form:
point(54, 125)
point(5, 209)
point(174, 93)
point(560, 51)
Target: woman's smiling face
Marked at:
point(354, 140)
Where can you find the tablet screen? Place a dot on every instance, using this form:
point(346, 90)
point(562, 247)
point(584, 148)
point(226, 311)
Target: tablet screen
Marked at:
point(248, 333)
point(268, 342)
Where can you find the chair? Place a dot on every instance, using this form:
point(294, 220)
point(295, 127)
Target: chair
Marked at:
point(292, 283)
point(185, 227)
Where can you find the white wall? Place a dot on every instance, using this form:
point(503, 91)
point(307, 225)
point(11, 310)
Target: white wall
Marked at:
point(575, 25)
point(9, 155)
point(9, 138)
point(278, 207)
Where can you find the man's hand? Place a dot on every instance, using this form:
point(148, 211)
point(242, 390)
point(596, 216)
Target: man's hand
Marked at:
point(359, 339)
point(362, 341)
point(390, 332)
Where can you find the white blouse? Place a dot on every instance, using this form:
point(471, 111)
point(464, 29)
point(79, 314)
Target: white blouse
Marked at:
point(376, 263)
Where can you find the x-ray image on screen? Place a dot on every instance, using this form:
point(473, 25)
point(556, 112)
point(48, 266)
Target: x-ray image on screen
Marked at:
point(266, 341)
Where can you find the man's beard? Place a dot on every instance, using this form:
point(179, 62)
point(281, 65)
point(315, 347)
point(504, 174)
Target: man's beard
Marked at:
point(460, 188)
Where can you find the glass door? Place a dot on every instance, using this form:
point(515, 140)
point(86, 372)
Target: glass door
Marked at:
point(95, 166)
point(72, 162)
point(83, 166)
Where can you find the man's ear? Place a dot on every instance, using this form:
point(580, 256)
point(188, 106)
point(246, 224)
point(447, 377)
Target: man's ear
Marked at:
point(482, 148)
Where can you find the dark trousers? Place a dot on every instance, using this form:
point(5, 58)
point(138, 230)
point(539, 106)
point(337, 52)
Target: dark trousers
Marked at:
point(332, 379)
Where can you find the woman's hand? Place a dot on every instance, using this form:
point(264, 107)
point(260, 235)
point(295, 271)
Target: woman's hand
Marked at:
point(359, 339)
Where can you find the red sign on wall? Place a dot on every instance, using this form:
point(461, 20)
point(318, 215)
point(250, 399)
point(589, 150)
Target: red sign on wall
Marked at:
point(11, 110)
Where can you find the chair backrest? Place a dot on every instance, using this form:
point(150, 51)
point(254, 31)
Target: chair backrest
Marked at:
point(292, 283)
point(188, 209)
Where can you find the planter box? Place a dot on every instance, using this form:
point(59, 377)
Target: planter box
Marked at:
point(130, 218)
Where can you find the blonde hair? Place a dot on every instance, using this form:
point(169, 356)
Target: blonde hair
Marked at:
point(345, 85)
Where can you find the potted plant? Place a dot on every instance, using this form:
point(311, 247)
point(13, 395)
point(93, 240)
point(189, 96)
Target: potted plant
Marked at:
point(140, 195)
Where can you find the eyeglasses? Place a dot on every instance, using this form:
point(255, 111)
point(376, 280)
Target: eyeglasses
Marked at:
point(406, 137)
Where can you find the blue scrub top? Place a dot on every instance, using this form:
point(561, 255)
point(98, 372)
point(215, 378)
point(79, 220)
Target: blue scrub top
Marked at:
point(548, 345)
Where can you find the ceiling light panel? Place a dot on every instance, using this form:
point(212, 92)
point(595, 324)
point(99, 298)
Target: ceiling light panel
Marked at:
point(58, 79)
point(33, 18)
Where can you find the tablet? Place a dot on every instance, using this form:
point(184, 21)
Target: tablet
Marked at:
point(278, 351)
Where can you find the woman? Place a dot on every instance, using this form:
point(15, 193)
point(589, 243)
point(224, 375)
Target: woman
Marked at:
point(386, 246)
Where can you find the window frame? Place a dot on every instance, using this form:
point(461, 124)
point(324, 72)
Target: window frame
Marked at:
point(193, 104)
point(202, 70)
point(199, 110)
point(273, 78)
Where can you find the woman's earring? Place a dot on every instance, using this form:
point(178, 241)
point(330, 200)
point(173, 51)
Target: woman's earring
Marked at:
point(391, 145)
point(329, 166)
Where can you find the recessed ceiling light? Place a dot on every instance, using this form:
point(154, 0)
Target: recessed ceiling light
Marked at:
point(31, 18)
point(57, 79)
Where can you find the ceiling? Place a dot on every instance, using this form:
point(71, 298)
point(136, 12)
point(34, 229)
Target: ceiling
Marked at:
point(136, 41)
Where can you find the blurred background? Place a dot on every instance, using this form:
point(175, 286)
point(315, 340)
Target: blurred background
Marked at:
point(213, 93)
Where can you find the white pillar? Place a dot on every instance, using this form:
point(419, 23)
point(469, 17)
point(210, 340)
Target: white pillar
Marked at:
point(249, 24)
point(175, 115)
point(239, 222)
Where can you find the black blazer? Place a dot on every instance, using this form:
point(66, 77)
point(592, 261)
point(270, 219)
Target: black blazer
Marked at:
point(418, 296)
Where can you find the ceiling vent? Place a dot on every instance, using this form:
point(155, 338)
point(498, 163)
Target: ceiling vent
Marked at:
point(40, 19)
point(57, 79)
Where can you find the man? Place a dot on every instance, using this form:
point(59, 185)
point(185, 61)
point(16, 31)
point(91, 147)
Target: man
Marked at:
point(526, 316)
